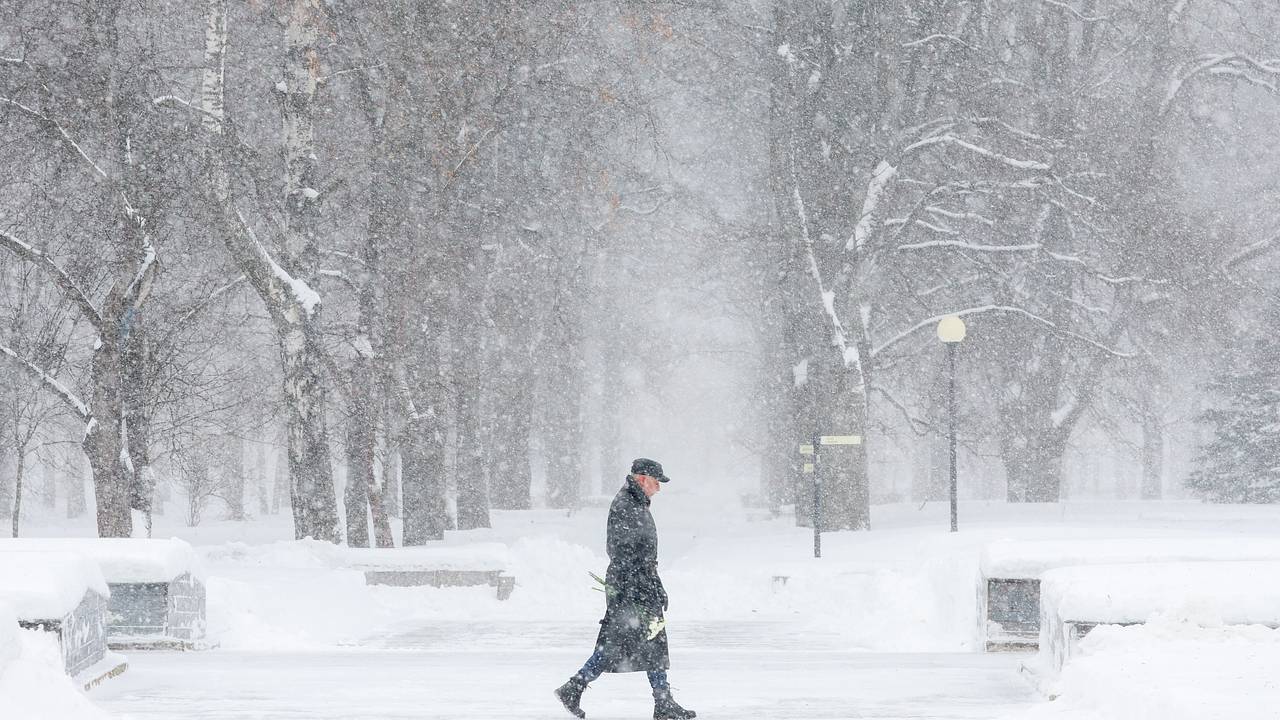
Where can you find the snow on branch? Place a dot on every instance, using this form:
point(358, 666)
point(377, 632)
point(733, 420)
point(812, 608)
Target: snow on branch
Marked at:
point(345, 256)
point(140, 286)
point(1109, 279)
point(60, 277)
point(1245, 254)
point(129, 210)
point(933, 321)
point(975, 217)
point(977, 150)
point(894, 222)
point(193, 312)
point(962, 245)
point(880, 179)
point(1016, 131)
point(64, 394)
point(1262, 74)
point(937, 36)
point(277, 283)
point(66, 136)
point(170, 100)
point(1079, 15)
point(340, 277)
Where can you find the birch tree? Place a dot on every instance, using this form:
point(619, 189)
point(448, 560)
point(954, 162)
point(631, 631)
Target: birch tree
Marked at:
point(283, 281)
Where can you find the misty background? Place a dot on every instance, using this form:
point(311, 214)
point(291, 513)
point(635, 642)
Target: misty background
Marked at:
point(390, 265)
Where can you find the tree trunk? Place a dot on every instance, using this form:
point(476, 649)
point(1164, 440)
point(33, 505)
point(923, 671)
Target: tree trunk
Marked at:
point(473, 490)
point(391, 478)
point(280, 489)
point(49, 497)
point(103, 445)
point(236, 483)
point(1034, 469)
point(364, 494)
point(422, 480)
point(76, 501)
point(356, 494)
point(20, 457)
point(846, 494)
point(6, 485)
point(511, 477)
point(1152, 450)
point(260, 480)
point(285, 287)
point(315, 505)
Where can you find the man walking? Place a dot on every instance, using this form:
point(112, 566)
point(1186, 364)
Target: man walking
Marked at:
point(633, 634)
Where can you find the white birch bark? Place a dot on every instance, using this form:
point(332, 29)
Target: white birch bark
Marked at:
point(289, 298)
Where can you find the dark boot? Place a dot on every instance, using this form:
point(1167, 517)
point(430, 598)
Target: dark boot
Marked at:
point(570, 695)
point(666, 708)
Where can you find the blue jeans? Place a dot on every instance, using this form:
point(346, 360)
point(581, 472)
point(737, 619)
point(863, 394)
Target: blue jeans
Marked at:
point(592, 670)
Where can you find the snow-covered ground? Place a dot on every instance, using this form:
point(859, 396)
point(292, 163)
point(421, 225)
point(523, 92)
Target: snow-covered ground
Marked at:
point(883, 625)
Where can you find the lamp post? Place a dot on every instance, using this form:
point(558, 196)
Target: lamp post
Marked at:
point(951, 332)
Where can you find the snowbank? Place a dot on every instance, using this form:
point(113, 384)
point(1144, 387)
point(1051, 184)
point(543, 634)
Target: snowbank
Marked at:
point(33, 685)
point(1168, 669)
point(47, 585)
point(8, 635)
point(1031, 558)
point(1209, 593)
point(123, 560)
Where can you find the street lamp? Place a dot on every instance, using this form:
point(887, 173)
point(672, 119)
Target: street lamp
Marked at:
point(951, 332)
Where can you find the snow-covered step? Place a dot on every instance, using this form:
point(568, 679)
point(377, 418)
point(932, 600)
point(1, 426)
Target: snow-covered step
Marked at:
point(1009, 597)
point(1075, 600)
point(63, 594)
point(157, 598)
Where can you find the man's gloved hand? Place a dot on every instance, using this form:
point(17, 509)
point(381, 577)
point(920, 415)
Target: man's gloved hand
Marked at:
point(656, 626)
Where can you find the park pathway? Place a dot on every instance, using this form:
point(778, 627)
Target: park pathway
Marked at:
point(502, 671)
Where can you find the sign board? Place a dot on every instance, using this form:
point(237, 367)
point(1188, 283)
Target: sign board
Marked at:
point(840, 440)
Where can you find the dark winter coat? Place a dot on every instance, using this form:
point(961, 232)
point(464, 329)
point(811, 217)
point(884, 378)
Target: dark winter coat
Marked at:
point(635, 594)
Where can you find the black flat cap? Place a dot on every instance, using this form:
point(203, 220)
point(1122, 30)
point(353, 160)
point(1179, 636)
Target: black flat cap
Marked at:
point(652, 468)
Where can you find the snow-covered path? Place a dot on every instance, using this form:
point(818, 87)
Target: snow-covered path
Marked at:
point(507, 670)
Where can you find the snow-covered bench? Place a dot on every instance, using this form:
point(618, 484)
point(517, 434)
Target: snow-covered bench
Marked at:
point(1009, 594)
point(445, 566)
point(1075, 600)
point(64, 594)
point(157, 598)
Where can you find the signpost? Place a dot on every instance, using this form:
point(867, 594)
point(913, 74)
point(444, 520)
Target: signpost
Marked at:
point(810, 451)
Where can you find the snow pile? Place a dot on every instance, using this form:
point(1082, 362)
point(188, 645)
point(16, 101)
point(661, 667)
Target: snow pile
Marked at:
point(122, 560)
point(892, 591)
point(1168, 669)
point(286, 596)
point(286, 554)
point(8, 635)
point(1208, 593)
point(47, 585)
point(1031, 558)
point(33, 685)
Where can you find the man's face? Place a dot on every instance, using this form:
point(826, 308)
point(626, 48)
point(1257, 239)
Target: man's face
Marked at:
point(648, 484)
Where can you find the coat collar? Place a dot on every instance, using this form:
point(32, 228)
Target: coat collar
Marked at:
point(636, 491)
